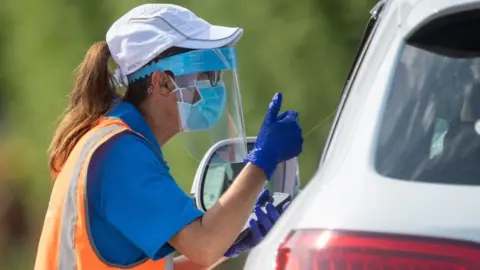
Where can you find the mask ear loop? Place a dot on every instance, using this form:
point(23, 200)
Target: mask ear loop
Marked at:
point(176, 89)
point(150, 88)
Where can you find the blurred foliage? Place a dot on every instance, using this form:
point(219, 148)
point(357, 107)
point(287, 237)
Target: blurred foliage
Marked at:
point(303, 48)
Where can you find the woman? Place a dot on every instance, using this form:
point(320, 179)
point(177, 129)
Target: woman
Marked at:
point(114, 204)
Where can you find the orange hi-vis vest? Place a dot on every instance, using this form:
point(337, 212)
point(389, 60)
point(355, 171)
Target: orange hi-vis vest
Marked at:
point(65, 242)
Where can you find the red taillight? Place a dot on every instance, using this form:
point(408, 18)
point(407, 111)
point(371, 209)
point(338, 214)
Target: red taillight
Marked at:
point(340, 250)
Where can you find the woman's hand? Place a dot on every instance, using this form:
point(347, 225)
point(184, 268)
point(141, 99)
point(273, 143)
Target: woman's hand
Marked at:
point(280, 138)
point(260, 228)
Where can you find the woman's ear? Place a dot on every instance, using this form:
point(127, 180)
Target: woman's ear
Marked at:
point(161, 83)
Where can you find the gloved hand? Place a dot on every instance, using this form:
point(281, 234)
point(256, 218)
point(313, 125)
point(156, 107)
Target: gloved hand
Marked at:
point(280, 138)
point(258, 229)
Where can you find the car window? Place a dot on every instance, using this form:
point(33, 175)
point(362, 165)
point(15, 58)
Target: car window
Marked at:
point(430, 128)
point(439, 132)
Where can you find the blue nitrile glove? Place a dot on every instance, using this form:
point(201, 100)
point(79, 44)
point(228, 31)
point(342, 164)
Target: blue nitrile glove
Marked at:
point(280, 138)
point(258, 229)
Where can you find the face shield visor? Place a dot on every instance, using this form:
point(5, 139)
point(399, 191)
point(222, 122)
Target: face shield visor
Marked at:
point(208, 101)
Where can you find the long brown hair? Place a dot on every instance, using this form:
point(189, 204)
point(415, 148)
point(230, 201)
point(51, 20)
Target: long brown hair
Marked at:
point(90, 99)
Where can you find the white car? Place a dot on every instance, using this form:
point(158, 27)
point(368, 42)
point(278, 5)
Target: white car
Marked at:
point(398, 184)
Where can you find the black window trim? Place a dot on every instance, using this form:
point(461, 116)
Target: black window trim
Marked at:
point(368, 34)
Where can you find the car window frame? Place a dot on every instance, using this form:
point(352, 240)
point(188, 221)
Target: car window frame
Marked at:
point(368, 34)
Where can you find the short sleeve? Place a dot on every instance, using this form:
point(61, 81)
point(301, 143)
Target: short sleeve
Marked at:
point(140, 198)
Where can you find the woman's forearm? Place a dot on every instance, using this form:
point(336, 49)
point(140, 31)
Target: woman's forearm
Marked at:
point(226, 218)
point(204, 241)
point(183, 263)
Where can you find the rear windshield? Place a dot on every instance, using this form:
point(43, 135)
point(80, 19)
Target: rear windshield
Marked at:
point(430, 131)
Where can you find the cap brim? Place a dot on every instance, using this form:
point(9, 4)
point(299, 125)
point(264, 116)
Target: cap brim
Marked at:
point(214, 37)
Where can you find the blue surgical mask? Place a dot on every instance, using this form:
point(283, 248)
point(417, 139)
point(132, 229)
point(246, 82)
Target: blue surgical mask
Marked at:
point(207, 111)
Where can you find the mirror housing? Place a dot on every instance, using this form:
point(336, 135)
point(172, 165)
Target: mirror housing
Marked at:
point(285, 179)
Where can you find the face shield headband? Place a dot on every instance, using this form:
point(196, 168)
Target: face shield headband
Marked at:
point(190, 62)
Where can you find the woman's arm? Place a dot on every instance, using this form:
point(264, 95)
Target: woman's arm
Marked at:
point(183, 263)
point(205, 240)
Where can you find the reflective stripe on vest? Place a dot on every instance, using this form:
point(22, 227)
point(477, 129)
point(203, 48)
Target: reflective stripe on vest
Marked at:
point(67, 258)
point(65, 243)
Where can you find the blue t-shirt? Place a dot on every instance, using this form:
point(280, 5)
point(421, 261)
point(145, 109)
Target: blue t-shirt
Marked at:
point(134, 204)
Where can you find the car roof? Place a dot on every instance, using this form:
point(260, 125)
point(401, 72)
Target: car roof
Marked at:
point(412, 14)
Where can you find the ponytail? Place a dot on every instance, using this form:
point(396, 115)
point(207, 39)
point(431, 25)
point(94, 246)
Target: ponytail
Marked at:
point(91, 97)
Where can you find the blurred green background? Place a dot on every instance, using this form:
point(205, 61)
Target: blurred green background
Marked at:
point(303, 48)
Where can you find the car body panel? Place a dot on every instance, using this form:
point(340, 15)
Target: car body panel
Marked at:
point(346, 192)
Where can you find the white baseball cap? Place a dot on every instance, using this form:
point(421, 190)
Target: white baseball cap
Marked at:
point(148, 30)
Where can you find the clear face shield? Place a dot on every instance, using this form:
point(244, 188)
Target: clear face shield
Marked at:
point(208, 100)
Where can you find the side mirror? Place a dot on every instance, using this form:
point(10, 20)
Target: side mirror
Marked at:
point(212, 179)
